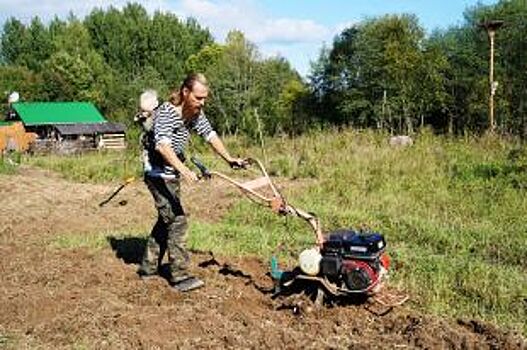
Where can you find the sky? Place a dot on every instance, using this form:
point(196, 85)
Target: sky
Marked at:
point(294, 29)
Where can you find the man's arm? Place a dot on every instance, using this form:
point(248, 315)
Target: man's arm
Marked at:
point(204, 129)
point(220, 149)
point(172, 159)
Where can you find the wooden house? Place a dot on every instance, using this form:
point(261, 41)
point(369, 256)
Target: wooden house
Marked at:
point(68, 127)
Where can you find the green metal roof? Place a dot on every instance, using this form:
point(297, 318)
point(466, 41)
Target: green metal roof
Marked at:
point(39, 113)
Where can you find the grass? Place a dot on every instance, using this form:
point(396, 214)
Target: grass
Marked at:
point(9, 163)
point(4, 340)
point(453, 211)
point(92, 241)
point(94, 167)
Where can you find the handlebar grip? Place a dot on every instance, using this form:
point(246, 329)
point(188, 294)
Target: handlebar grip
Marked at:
point(245, 163)
point(202, 168)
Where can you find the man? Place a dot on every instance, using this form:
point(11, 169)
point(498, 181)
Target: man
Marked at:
point(173, 122)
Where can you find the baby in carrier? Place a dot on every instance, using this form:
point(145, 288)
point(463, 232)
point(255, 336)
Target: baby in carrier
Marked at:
point(148, 103)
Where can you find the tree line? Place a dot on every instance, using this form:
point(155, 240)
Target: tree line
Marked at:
point(384, 72)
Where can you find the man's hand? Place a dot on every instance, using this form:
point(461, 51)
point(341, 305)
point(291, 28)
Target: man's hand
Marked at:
point(235, 163)
point(189, 176)
point(238, 163)
point(171, 158)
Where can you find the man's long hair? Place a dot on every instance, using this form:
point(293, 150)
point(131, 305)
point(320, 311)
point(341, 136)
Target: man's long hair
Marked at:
point(176, 97)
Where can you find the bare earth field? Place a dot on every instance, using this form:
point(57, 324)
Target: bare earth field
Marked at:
point(54, 297)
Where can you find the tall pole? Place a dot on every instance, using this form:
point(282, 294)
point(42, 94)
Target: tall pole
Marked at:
point(492, 87)
point(491, 27)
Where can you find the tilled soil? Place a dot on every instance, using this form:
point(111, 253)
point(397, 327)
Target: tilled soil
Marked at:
point(55, 298)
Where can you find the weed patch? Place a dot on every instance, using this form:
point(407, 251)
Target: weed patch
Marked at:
point(91, 241)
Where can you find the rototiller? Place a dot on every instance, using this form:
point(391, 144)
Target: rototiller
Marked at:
point(344, 263)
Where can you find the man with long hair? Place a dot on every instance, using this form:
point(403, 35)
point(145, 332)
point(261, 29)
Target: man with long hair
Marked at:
point(173, 122)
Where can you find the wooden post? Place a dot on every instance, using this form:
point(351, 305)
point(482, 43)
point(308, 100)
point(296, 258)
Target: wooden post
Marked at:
point(491, 34)
point(491, 27)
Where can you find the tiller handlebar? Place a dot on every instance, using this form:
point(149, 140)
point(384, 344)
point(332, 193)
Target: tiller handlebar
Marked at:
point(276, 202)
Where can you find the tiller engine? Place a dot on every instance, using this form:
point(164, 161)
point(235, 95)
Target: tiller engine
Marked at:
point(348, 262)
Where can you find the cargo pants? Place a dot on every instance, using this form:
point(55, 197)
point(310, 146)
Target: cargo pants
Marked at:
point(169, 232)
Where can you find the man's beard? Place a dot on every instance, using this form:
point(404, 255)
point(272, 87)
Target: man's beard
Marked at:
point(191, 112)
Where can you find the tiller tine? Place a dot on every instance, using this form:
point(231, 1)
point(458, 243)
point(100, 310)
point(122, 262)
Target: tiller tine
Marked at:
point(390, 298)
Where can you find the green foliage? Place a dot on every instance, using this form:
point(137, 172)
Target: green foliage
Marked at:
point(246, 90)
point(22, 80)
point(108, 58)
point(121, 37)
point(511, 64)
point(376, 73)
point(41, 45)
point(14, 42)
point(69, 78)
point(384, 73)
point(292, 105)
point(26, 46)
point(130, 40)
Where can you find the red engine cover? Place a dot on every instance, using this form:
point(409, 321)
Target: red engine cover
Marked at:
point(359, 275)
